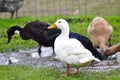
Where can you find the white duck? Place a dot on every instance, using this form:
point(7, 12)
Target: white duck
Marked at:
point(70, 50)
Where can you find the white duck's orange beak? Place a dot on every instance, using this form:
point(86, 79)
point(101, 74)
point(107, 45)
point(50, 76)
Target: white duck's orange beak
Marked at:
point(52, 26)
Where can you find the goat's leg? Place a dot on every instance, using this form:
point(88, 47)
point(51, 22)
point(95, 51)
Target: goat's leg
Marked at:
point(12, 14)
point(16, 13)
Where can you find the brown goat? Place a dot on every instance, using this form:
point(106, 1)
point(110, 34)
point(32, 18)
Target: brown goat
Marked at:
point(100, 32)
point(113, 49)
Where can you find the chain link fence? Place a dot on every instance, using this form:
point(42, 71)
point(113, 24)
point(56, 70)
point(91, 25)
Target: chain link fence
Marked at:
point(37, 8)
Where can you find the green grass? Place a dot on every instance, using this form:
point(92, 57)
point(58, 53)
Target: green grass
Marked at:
point(75, 26)
point(29, 73)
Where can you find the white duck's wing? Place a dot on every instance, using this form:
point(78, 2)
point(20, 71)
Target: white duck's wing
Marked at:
point(74, 47)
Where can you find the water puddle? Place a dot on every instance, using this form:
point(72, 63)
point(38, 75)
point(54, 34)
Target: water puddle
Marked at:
point(31, 57)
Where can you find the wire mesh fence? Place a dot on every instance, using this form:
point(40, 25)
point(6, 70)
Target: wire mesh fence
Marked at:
point(36, 8)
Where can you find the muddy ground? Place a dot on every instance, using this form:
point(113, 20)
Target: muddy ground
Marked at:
point(30, 57)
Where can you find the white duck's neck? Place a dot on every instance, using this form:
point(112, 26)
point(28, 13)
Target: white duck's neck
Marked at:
point(65, 31)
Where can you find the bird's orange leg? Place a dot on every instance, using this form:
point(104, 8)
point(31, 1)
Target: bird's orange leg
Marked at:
point(77, 71)
point(67, 70)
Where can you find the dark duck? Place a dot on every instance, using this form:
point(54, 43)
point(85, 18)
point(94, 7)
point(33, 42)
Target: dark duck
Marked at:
point(37, 31)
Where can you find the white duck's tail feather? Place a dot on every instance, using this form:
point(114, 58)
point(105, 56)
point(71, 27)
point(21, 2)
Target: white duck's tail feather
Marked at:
point(96, 59)
point(84, 60)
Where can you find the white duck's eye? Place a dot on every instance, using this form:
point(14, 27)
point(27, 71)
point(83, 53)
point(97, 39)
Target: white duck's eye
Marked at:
point(59, 22)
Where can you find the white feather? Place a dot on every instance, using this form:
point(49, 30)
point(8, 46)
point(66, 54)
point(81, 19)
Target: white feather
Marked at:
point(69, 50)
